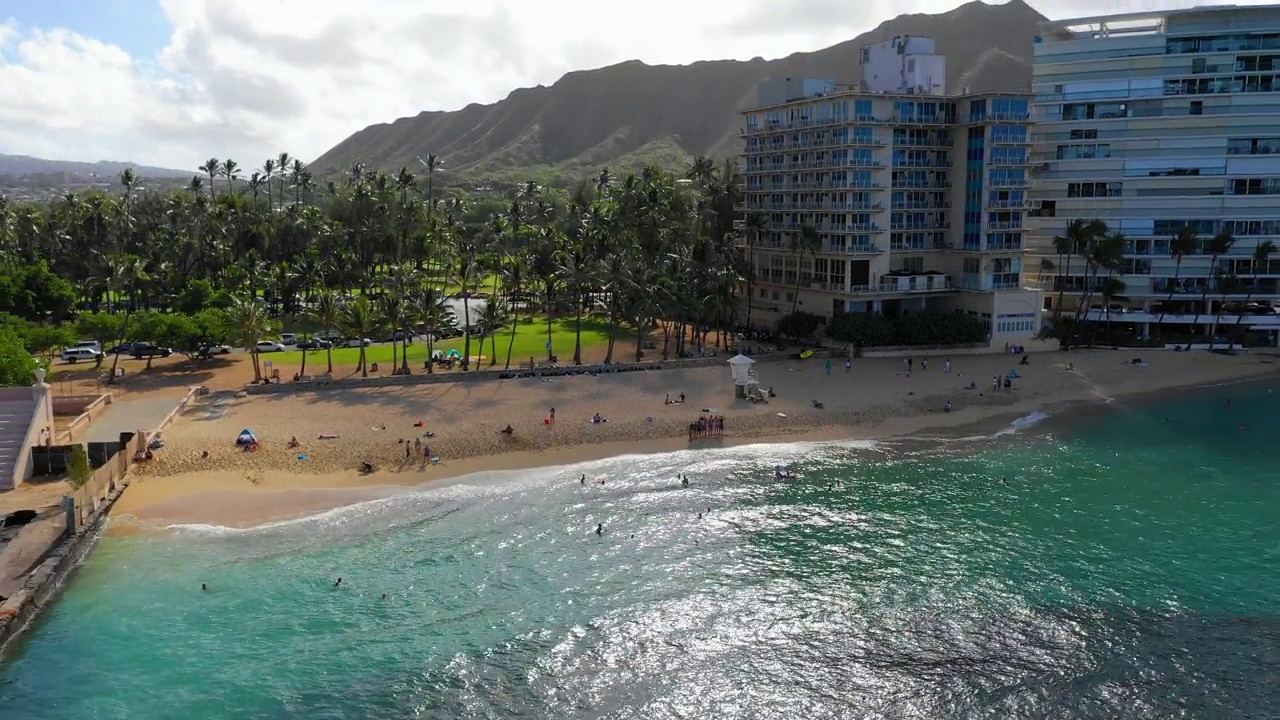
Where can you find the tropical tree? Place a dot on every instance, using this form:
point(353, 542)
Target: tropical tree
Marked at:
point(1185, 242)
point(250, 322)
point(1219, 244)
point(491, 319)
point(327, 314)
point(806, 241)
point(1262, 253)
point(358, 319)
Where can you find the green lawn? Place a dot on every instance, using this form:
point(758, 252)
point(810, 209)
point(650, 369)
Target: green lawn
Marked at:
point(531, 340)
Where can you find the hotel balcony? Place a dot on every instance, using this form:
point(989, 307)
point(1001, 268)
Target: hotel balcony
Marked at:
point(909, 227)
point(921, 164)
point(1009, 204)
point(861, 185)
point(936, 205)
point(864, 163)
point(1006, 246)
point(1013, 162)
point(888, 284)
point(862, 228)
point(1005, 225)
point(864, 142)
point(916, 246)
point(1004, 117)
point(901, 119)
point(1008, 140)
point(859, 249)
point(1008, 182)
point(899, 184)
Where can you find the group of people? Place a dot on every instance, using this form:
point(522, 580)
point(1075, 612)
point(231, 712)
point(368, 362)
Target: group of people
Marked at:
point(416, 449)
point(706, 426)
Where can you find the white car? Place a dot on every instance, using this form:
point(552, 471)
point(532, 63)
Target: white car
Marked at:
point(289, 338)
point(357, 342)
point(267, 346)
point(74, 354)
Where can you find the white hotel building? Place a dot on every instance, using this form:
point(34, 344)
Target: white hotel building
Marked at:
point(1152, 122)
point(919, 199)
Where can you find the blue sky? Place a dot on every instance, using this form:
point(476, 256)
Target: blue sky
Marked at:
point(139, 27)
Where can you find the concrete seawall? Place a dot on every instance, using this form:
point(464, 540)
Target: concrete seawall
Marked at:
point(45, 581)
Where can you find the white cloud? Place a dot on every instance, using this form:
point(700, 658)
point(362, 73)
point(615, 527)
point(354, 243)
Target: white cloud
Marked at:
point(249, 78)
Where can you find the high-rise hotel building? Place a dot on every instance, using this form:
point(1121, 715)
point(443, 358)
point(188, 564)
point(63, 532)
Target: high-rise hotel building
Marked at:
point(890, 196)
point(1154, 122)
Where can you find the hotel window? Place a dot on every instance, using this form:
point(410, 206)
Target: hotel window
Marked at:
point(1091, 134)
point(1094, 189)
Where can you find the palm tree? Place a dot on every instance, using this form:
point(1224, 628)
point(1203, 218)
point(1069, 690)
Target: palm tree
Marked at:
point(358, 320)
point(1183, 243)
point(250, 320)
point(465, 269)
point(1261, 258)
point(268, 174)
point(432, 313)
point(1086, 236)
point(754, 224)
point(283, 162)
point(213, 168)
point(231, 171)
point(513, 280)
point(327, 313)
point(1112, 289)
point(1219, 244)
point(806, 241)
point(491, 319)
point(255, 183)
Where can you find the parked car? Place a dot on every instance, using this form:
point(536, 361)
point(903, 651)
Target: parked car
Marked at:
point(400, 335)
point(124, 348)
point(75, 354)
point(357, 342)
point(314, 344)
point(288, 338)
point(145, 349)
point(268, 346)
point(207, 350)
point(91, 344)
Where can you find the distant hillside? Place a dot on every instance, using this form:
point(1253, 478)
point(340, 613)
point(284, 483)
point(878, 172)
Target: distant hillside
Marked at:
point(627, 114)
point(19, 166)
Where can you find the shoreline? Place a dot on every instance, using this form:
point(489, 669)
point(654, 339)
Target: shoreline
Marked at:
point(229, 496)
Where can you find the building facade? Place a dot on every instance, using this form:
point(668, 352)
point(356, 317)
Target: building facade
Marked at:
point(889, 196)
point(1152, 123)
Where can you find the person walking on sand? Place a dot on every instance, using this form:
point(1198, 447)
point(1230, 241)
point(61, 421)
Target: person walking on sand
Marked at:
point(847, 364)
point(946, 366)
point(924, 364)
point(828, 367)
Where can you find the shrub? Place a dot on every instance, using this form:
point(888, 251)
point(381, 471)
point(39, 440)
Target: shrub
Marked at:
point(925, 329)
point(78, 471)
point(798, 325)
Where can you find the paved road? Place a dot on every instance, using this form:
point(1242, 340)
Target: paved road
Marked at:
point(129, 415)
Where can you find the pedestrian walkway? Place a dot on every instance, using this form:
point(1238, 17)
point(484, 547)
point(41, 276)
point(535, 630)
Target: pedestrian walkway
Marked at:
point(128, 416)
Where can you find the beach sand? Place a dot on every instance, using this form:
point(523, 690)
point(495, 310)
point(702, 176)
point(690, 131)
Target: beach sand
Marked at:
point(875, 399)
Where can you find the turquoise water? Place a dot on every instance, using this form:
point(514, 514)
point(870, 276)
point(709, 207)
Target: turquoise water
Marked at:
point(1129, 567)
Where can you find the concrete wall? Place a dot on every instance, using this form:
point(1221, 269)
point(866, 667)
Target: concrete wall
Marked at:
point(86, 408)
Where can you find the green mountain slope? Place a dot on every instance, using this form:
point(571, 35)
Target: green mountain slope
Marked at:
point(627, 114)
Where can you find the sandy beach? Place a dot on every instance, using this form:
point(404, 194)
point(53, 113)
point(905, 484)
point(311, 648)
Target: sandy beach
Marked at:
point(202, 477)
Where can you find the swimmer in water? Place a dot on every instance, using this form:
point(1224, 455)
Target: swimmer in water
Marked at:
point(337, 584)
point(599, 528)
point(203, 586)
point(582, 480)
point(699, 516)
point(684, 480)
point(384, 596)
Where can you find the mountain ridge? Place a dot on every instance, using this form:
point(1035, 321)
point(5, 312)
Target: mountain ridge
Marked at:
point(622, 114)
point(22, 166)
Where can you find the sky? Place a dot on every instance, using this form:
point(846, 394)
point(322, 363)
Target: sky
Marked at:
point(171, 83)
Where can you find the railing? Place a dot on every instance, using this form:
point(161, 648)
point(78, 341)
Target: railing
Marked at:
point(1012, 161)
point(854, 250)
point(940, 225)
point(920, 185)
point(864, 227)
point(904, 246)
point(1007, 140)
point(940, 205)
point(1009, 204)
point(872, 141)
point(863, 163)
point(1008, 183)
point(902, 119)
point(1004, 225)
point(908, 143)
point(1004, 246)
point(1004, 117)
point(920, 164)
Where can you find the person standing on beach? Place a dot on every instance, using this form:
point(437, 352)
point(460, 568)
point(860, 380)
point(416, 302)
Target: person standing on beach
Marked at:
point(600, 529)
point(924, 364)
point(847, 364)
point(828, 367)
point(552, 416)
point(946, 366)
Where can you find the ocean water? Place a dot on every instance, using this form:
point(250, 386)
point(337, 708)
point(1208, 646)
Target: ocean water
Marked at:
point(1128, 565)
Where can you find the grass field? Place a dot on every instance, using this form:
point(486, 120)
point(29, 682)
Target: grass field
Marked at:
point(531, 341)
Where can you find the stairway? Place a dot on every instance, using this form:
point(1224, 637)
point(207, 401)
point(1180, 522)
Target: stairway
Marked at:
point(15, 420)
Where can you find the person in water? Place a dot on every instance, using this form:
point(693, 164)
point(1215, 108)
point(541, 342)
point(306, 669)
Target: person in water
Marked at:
point(582, 480)
point(684, 480)
point(204, 586)
point(599, 528)
point(337, 584)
